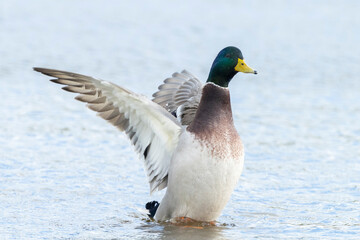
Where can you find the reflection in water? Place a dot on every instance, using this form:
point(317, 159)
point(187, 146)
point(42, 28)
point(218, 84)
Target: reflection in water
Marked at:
point(183, 232)
point(179, 232)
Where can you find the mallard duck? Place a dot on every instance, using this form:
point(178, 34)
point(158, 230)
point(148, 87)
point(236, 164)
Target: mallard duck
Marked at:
point(185, 135)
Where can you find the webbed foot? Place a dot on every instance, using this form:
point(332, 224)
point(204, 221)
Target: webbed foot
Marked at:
point(152, 207)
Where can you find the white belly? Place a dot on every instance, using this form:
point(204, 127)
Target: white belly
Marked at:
point(199, 184)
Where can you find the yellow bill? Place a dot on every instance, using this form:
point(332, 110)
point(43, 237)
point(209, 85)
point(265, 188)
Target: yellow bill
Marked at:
point(242, 67)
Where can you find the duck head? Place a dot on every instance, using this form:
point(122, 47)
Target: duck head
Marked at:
point(227, 63)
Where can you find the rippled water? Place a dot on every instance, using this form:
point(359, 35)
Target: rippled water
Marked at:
point(64, 173)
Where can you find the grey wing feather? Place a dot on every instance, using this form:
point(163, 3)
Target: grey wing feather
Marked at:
point(152, 130)
point(180, 94)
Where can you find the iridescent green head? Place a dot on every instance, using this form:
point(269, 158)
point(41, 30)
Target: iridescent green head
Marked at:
point(227, 63)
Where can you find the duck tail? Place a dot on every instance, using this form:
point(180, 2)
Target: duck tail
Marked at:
point(152, 207)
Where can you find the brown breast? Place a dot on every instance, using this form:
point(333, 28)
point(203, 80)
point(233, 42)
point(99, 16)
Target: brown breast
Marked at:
point(213, 123)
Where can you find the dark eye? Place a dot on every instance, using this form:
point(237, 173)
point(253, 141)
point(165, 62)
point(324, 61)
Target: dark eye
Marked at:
point(242, 64)
point(227, 55)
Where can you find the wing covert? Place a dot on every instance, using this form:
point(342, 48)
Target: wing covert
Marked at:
point(180, 95)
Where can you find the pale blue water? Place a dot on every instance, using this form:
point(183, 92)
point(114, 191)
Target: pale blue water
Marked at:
point(67, 174)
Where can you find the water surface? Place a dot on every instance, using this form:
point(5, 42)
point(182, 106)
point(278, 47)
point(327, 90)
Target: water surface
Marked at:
point(66, 174)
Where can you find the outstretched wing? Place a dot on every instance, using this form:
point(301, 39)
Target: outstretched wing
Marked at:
point(152, 130)
point(180, 95)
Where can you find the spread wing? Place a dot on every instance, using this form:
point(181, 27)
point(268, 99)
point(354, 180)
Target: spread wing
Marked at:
point(180, 95)
point(152, 130)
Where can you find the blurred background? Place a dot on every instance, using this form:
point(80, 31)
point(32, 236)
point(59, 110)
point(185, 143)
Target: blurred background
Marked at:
point(65, 173)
